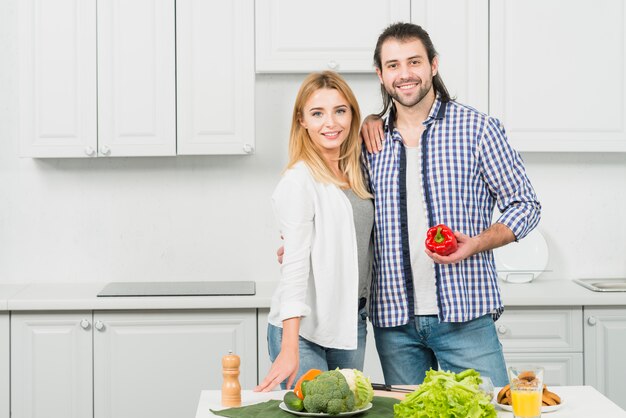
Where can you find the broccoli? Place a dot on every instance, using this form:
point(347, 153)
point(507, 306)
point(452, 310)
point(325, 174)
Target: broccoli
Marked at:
point(329, 392)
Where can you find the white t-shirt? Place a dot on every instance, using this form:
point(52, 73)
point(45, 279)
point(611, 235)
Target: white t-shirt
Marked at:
point(424, 286)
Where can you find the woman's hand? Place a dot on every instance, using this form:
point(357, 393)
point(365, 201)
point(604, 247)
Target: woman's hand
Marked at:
point(285, 366)
point(372, 133)
point(288, 360)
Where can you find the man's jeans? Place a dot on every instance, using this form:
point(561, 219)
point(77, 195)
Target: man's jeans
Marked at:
point(407, 352)
point(313, 356)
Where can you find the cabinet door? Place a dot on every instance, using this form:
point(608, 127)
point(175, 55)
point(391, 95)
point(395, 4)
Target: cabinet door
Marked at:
point(605, 341)
point(57, 78)
point(297, 36)
point(215, 76)
point(460, 32)
point(154, 364)
point(557, 76)
point(4, 365)
point(136, 78)
point(530, 330)
point(561, 369)
point(51, 365)
point(263, 350)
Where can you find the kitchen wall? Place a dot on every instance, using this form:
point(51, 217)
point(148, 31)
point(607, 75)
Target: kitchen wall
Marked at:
point(209, 217)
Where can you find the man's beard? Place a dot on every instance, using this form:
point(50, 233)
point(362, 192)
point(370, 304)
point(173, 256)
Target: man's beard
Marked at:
point(424, 89)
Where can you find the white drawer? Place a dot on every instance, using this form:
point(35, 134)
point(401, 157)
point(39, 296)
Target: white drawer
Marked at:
point(541, 330)
point(561, 369)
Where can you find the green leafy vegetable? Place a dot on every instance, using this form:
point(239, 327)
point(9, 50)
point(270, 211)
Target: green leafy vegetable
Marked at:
point(446, 394)
point(360, 386)
point(329, 392)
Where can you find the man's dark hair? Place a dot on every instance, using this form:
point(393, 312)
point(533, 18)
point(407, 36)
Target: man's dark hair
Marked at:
point(404, 32)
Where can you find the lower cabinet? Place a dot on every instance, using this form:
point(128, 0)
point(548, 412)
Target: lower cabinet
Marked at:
point(547, 337)
point(124, 364)
point(605, 342)
point(4, 365)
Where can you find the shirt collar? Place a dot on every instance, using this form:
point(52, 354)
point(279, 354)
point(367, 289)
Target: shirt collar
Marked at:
point(437, 112)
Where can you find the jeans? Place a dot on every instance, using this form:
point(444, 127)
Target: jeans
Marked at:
point(313, 356)
point(407, 352)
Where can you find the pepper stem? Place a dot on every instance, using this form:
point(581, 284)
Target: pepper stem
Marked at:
point(439, 238)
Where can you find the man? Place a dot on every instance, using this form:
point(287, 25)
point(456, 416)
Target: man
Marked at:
point(437, 162)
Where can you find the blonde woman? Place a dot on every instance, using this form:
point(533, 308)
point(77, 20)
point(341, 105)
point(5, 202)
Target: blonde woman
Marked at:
point(318, 314)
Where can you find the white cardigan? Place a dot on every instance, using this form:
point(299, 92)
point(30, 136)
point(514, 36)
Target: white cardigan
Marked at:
point(320, 266)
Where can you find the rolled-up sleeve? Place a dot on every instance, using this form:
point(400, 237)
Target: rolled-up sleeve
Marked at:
point(505, 175)
point(294, 208)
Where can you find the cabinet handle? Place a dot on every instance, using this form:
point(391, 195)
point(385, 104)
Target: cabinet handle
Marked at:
point(84, 324)
point(592, 321)
point(333, 65)
point(105, 150)
point(90, 152)
point(248, 149)
point(99, 325)
point(502, 329)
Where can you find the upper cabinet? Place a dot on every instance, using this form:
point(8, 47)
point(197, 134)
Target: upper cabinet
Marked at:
point(215, 76)
point(57, 78)
point(300, 37)
point(459, 30)
point(100, 79)
point(557, 77)
point(136, 77)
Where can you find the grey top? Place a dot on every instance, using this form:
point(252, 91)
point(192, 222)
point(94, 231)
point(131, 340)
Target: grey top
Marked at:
point(363, 214)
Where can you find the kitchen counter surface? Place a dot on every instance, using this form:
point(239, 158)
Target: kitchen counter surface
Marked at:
point(557, 293)
point(7, 291)
point(83, 296)
point(578, 402)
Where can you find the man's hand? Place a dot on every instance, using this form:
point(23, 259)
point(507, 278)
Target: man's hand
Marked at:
point(495, 236)
point(372, 133)
point(466, 247)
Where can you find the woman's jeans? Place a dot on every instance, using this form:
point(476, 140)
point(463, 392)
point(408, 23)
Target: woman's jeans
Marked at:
point(313, 356)
point(407, 352)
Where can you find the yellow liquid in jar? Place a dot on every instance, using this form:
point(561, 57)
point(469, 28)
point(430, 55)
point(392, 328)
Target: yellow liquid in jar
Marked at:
point(526, 403)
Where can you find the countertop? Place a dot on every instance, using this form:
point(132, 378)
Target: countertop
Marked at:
point(578, 402)
point(7, 291)
point(83, 296)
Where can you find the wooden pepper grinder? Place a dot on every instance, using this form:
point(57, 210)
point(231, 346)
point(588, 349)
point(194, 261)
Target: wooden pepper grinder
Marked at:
point(231, 389)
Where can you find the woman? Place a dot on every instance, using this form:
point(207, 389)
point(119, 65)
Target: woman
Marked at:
point(317, 317)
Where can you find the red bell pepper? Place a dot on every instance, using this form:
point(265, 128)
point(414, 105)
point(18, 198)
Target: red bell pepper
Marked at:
point(441, 240)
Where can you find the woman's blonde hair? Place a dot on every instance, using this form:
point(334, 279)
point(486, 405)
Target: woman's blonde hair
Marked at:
point(302, 148)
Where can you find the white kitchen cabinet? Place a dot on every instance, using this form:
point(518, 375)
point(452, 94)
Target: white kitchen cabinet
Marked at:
point(263, 350)
point(215, 76)
point(460, 33)
point(97, 80)
point(57, 78)
point(51, 365)
point(605, 342)
point(557, 77)
point(560, 369)
point(124, 364)
point(544, 336)
point(4, 365)
point(300, 37)
point(155, 364)
point(136, 78)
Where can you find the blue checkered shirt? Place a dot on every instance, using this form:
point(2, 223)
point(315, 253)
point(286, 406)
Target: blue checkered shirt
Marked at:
point(467, 168)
